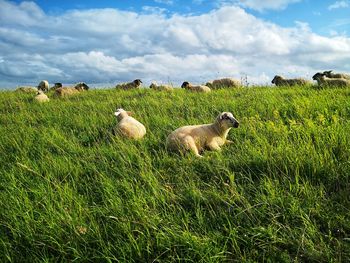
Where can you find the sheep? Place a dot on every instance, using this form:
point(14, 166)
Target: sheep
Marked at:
point(329, 82)
point(223, 83)
point(57, 85)
point(82, 85)
point(41, 97)
point(43, 85)
point(128, 126)
point(67, 91)
point(331, 75)
point(155, 86)
point(196, 138)
point(27, 89)
point(131, 85)
point(199, 88)
point(280, 81)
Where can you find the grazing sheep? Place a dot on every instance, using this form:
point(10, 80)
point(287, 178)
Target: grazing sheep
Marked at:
point(43, 85)
point(223, 83)
point(198, 88)
point(196, 138)
point(67, 91)
point(131, 85)
point(327, 82)
point(127, 126)
point(27, 89)
point(280, 81)
point(331, 75)
point(82, 85)
point(41, 97)
point(155, 86)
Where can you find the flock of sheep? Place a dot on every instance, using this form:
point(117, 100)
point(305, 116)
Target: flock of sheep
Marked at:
point(195, 138)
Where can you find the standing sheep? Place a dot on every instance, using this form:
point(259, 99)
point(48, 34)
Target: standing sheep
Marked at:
point(131, 85)
point(198, 88)
point(196, 138)
point(327, 82)
point(155, 86)
point(280, 81)
point(223, 83)
point(127, 126)
point(41, 97)
point(43, 85)
point(331, 75)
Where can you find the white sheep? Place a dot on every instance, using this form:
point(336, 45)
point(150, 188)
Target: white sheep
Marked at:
point(128, 126)
point(196, 138)
point(331, 75)
point(27, 89)
point(223, 83)
point(67, 91)
point(131, 85)
point(41, 97)
point(155, 86)
point(196, 88)
point(329, 82)
point(280, 81)
point(43, 85)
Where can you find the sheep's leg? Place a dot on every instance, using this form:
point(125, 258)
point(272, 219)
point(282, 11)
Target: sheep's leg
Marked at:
point(191, 145)
point(214, 146)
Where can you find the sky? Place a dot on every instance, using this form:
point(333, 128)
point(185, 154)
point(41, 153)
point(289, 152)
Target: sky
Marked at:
point(170, 41)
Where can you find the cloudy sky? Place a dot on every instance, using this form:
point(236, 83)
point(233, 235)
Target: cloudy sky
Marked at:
point(106, 42)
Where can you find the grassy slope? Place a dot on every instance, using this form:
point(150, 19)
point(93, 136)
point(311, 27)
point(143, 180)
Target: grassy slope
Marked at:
point(70, 190)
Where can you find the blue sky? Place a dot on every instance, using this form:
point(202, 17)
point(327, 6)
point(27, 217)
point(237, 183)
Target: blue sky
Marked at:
point(104, 42)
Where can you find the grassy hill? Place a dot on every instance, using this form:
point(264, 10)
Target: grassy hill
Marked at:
point(70, 190)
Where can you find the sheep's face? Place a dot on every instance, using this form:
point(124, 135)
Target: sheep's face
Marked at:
point(153, 85)
point(185, 85)
point(275, 79)
point(328, 73)
point(121, 113)
point(317, 76)
point(137, 82)
point(57, 85)
point(227, 120)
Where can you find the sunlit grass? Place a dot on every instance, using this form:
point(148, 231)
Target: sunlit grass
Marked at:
point(70, 190)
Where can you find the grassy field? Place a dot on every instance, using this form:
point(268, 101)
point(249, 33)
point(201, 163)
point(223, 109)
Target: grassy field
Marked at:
point(71, 191)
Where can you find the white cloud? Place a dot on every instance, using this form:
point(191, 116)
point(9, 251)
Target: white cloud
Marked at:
point(165, 2)
point(339, 4)
point(261, 5)
point(109, 46)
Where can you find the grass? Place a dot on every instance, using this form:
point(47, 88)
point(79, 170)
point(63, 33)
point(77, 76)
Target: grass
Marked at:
point(71, 191)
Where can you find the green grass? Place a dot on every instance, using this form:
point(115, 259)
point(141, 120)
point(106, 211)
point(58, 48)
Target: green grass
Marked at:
point(71, 191)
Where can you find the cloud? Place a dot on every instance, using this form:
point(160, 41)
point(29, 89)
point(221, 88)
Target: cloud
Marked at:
point(261, 5)
point(165, 2)
point(339, 4)
point(109, 46)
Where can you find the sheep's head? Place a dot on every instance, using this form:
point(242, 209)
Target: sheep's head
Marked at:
point(39, 92)
point(185, 85)
point(153, 85)
point(81, 86)
point(276, 79)
point(318, 75)
point(227, 120)
point(121, 113)
point(57, 85)
point(137, 82)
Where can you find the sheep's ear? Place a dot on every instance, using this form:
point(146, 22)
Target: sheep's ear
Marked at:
point(130, 113)
point(117, 113)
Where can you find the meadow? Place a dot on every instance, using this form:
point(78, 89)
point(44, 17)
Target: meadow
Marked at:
point(72, 191)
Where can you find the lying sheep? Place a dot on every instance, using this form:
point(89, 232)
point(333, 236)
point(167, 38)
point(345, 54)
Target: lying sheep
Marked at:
point(331, 75)
point(196, 138)
point(155, 86)
point(43, 85)
point(67, 91)
point(323, 81)
point(27, 89)
point(41, 97)
point(280, 81)
point(81, 85)
point(131, 85)
point(198, 88)
point(223, 83)
point(127, 126)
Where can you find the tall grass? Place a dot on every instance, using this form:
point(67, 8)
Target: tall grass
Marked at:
point(72, 191)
